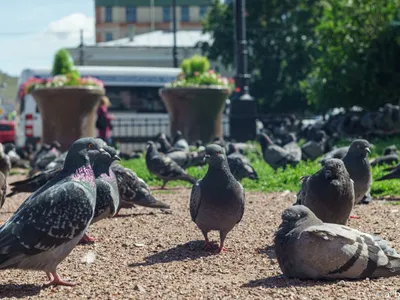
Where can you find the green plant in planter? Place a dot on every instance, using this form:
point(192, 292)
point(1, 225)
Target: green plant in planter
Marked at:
point(196, 72)
point(64, 74)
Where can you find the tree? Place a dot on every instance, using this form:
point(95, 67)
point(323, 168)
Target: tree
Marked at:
point(281, 44)
point(63, 63)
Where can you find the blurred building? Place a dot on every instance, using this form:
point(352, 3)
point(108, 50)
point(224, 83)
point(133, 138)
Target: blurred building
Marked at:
point(116, 19)
point(152, 49)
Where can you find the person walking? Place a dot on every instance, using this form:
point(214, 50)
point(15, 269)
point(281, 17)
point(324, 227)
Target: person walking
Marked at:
point(103, 123)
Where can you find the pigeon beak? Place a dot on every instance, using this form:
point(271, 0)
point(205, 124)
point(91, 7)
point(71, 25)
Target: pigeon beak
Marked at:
point(207, 156)
point(368, 150)
point(116, 157)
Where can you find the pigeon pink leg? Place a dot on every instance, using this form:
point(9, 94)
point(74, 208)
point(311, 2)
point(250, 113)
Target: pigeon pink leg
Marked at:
point(88, 239)
point(58, 281)
point(354, 217)
point(207, 245)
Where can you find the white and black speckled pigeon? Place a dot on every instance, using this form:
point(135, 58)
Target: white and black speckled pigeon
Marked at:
point(307, 248)
point(164, 167)
point(133, 190)
point(335, 153)
point(107, 195)
point(329, 193)
point(3, 189)
point(5, 162)
point(217, 201)
point(49, 224)
point(357, 164)
point(275, 155)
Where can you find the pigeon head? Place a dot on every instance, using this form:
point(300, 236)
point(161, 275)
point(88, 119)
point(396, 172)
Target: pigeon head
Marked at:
point(360, 148)
point(83, 151)
point(390, 150)
point(113, 153)
point(292, 215)
point(103, 162)
point(215, 154)
point(264, 140)
point(333, 168)
point(55, 144)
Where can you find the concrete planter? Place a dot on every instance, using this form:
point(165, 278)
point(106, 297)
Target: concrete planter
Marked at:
point(197, 112)
point(68, 113)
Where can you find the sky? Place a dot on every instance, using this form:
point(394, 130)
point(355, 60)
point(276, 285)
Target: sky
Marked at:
point(31, 31)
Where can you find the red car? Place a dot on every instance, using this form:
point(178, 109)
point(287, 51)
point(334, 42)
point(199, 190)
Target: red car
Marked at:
point(7, 131)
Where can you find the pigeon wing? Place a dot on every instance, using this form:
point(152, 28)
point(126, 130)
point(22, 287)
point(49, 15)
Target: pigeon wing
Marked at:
point(195, 200)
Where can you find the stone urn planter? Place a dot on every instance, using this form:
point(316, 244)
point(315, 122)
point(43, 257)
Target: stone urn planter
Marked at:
point(68, 113)
point(196, 111)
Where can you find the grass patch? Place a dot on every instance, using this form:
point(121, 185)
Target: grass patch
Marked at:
point(282, 179)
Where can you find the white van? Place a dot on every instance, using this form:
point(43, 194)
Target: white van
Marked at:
point(133, 92)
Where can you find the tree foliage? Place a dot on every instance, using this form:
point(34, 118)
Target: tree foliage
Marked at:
point(313, 52)
point(63, 64)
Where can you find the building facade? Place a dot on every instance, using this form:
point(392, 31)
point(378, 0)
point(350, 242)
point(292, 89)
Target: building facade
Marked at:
point(116, 19)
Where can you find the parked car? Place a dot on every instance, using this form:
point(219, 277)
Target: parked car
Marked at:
point(7, 131)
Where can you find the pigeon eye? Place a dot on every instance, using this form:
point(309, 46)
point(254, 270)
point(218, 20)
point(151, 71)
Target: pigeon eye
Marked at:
point(90, 146)
point(218, 153)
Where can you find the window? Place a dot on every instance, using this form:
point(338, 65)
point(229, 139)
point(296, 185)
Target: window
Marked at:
point(108, 14)
point(135, 99)
point(109, 36)
point(203, 11)
point(166, 14)
point(185, 13)
point(131, 14)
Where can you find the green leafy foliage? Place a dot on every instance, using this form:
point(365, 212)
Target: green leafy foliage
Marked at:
point(282, 179)
point(63, 64)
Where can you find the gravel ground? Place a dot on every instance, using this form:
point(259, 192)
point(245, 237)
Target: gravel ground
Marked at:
point(151, 254)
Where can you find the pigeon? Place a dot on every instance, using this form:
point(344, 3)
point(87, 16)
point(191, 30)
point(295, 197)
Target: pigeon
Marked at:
point(33, 183)
point(307, 248)
point(133, 190)
point(393, 174)
point(335, 153)
point(58, 162)
point(389, 157)
point(5, 162)
point(49, 224)
point(275, 155)
point(107, 196)
point(314, 147)
point(329, 193)
point(3, 189)
point(357, 164)
point(165, 145)
point(179, 142)
point(187, 159)
point(292, 148)
point(15, 159)
point(164, 167)
point(45, 158)
point(241, 168)
point(217, 201)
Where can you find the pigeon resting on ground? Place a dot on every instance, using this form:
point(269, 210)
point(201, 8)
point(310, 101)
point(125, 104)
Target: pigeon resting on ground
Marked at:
point(107, 197)
point(393, 174)
point(5, 162)
point(307, 248)
point(133, 190)
point(241, 168)
point(164, 167)
point(49, 224)
point(357, 164)
point(329, 193)
point(217, 201)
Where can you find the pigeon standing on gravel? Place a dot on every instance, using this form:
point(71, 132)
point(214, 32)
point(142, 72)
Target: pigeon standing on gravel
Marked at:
point(133, 190)
point(357, 164)
point(329, 193)
point(217, 201)
point(164, 167)
point(107, 197)
point(49, 224)
point(5, 162)
point(307, 248)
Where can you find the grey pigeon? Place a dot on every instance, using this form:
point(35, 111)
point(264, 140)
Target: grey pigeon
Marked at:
point(107, 196)
point(46, 157)
point(49, 224)
point(187, 159)
point(292, 148)
point(275, 155)
point(315, 147)
point(393, 174)
point(164, 167)
point(329, 193)
point(133, 190)
point(15, 159)
point(5, 162)
point(179, 142)
point(307, 248)
point(217, 201)
point(335, 153)
point(389, 157)
point(3, 189)
point(241, 168)
point(357, 164)
point(58, 162)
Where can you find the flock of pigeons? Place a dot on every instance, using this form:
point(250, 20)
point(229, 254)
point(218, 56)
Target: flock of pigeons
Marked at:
point(84, 185)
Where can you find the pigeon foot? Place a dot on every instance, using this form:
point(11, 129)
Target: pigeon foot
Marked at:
point(355, 217)
point(222, 249)
point(207, 245)
point(56, 280)
point(87, 239)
